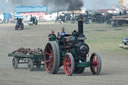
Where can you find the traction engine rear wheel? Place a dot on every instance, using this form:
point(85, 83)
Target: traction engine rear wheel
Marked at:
point(69, 64)
point(51, 58)
point(96, 64)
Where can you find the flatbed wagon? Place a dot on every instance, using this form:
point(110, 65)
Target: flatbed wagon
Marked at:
point(119, 20)
point(30, 59)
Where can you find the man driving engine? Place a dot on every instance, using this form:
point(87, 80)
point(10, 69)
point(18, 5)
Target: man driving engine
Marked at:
point(62, 33)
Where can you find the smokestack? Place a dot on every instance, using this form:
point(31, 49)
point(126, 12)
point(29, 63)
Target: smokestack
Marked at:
point(80, 24)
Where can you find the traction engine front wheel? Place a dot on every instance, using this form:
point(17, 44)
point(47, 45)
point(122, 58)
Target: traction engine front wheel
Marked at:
point(96, 64)
point(69, 64)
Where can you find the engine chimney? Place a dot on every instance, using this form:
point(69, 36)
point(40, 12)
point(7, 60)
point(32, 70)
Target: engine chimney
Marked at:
point(80, 24)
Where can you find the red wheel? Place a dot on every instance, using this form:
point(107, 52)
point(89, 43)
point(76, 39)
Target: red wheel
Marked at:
point(51, 58)
point(95, 65)
point(69, 64)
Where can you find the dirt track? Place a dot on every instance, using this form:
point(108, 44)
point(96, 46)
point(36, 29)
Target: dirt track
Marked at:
point(114, 71)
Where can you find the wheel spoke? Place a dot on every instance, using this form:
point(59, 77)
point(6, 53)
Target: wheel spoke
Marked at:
point(67, 58)
point(49, 66)
point(68, 65)
point(50, 54)
point(95, 61)
point(47, 61)
point(49, 48)
point(94, 69)
point(96, 64)
point(97, 68)
point(69, 69)
point(47, 53)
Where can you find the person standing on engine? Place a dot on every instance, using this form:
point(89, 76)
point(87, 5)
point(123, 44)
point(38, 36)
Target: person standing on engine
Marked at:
point(62, 33)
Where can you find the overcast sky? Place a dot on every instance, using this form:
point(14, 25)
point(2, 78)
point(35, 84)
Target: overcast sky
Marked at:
point(101, 4)
point(89, 4)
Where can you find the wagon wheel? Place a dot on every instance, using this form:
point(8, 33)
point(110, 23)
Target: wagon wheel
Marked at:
point(79, 70)
point(15, 63)
point(69, 64)
point(30, 64)
point(51, 58)
point(96, 64)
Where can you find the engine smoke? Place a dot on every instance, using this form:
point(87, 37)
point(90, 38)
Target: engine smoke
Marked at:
point(55, 5)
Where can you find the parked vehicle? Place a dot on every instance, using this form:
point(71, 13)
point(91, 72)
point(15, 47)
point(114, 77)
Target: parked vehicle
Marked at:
point(125, 41)
point(19, 24)
point(33, 20)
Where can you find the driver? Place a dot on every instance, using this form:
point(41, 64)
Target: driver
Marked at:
point(52, 36)
point(62, 33)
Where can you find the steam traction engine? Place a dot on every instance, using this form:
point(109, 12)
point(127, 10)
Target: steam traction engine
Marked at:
point(19, 24)
point(33, 20)
point(70, 51)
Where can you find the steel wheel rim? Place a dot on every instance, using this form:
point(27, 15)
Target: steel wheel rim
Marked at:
point(94, 65)
point(48, 58)
point(29, 64)
point(67, 65)
point(13, 63)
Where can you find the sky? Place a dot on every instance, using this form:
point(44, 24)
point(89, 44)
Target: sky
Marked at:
point(88, 4)
point(101, 4)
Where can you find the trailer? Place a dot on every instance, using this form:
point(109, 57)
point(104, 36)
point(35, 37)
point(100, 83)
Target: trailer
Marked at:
point(119, 20)
point(25, 58)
